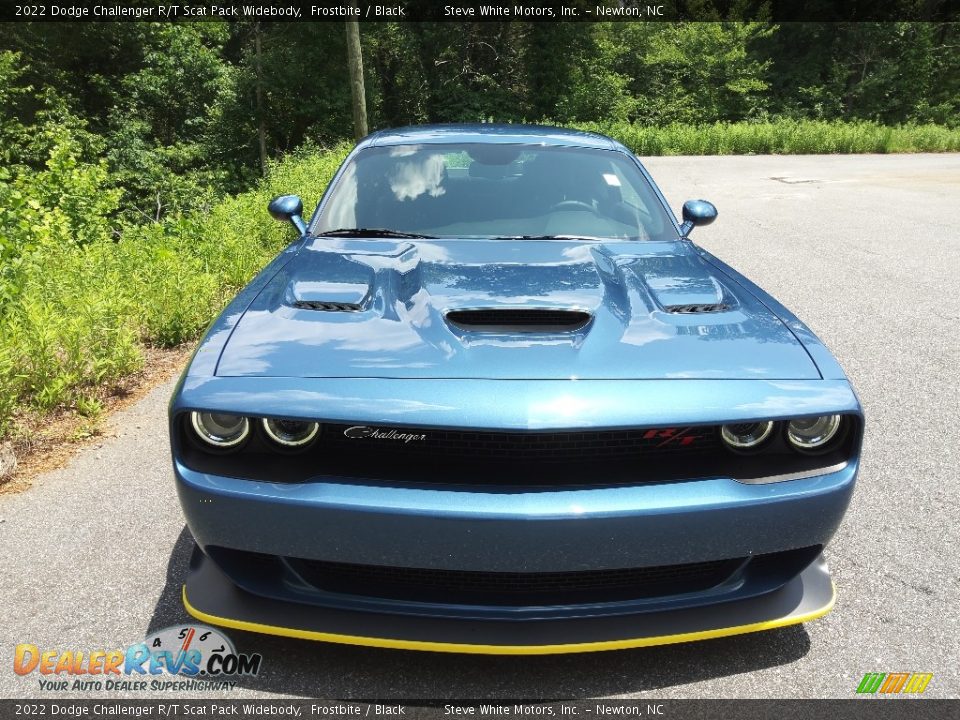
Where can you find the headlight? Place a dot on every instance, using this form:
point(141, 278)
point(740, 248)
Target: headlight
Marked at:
point(290, 433)
point(746, 436)
point(811, 434)
point(220, 430)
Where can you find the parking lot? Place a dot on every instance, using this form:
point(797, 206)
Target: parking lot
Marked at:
point(864, 249)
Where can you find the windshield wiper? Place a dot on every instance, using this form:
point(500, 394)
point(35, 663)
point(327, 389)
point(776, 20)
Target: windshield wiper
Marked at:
point(549, 237)
point(371, 232)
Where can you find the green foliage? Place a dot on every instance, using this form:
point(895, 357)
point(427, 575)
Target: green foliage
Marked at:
point(670, 72)
point(702, 70)
point(66, 200)
point(67, 331)
point(84, 310)
point(13, 91)
point(783, 137)
point(180, 109)
point(160, 127)
point(886, 72)
point(123, 145)
point(596, 89)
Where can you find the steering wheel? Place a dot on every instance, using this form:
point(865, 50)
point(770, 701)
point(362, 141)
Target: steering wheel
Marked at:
point(573, 205)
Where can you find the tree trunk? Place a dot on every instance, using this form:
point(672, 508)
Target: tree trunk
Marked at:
point(261, 121)
point(355, 64)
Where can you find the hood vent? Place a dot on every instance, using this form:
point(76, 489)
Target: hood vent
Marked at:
point(327, 306)
point(692, 309)
point(519, 320)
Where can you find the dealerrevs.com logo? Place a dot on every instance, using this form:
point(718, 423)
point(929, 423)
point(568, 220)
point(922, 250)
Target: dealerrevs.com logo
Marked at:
point(183, 657)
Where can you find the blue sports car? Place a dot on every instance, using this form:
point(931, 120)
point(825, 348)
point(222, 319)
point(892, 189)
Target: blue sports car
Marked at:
point(494, 400)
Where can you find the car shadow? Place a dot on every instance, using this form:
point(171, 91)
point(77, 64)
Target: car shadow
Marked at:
point(310, 669)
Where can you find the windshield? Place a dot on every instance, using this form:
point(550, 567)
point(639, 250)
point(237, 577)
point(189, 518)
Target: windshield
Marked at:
point(496, 190)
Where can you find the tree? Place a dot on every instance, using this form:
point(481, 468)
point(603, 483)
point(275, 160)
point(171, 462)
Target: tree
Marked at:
point(358, 99)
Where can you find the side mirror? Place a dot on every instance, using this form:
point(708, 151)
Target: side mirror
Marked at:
point(695, 214)
point(289, 208)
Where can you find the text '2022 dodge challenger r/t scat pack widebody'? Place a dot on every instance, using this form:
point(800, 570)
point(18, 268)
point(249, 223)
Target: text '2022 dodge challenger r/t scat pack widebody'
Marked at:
point(494, 400)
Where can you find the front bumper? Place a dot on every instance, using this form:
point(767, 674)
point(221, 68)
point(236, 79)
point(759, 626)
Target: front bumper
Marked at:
point(211, 597)
point(511, 527)
point(517, 530)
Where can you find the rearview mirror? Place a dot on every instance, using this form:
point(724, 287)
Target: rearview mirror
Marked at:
point(697, 213)
point(289, 208)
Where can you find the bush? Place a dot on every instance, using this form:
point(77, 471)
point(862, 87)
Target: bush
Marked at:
point(781, 137)
point(86, 303)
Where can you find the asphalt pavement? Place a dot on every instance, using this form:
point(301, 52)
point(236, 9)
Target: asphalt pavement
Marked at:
point(863, 248)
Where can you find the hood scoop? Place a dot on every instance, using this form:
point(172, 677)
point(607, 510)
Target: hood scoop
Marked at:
point(349, 293)
point(697, 308)
point(530, 320)
point(327, 306)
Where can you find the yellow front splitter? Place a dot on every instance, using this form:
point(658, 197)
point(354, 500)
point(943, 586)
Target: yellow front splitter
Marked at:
point(212, 598)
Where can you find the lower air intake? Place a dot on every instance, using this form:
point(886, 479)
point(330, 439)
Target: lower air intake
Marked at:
point(503, 588)
point(274, 576)
point(519, 320)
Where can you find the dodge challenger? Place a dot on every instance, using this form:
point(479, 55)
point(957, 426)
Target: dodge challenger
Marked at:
point(493, 399)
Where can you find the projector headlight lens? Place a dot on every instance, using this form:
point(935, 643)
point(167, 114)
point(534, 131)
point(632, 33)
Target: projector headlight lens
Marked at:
point(746, 436)
point(291, 433)
point(810, 434)
point(220, 430)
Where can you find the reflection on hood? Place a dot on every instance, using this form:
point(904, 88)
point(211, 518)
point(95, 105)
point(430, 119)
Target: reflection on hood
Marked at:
point(402, 292)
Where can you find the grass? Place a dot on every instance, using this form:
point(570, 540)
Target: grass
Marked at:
point(83, 314)
point(783, 137)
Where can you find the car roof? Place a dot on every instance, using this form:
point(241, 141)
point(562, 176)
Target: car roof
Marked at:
point(490, 133)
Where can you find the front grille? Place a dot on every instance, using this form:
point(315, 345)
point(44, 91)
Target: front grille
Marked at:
point(507, 588)
point(519, 320)
point(691, 309)
point(456, 457)
point(327, 306)
point(521, 447)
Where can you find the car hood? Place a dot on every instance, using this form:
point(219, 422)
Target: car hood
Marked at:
point(380, 308)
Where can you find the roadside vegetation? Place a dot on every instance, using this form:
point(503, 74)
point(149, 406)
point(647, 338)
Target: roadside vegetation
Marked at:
point(84, 295)
point(136, 159)
point(781, 137)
